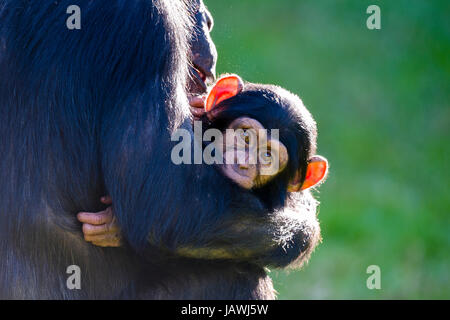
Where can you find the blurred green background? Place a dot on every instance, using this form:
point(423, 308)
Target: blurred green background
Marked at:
point(381, 99)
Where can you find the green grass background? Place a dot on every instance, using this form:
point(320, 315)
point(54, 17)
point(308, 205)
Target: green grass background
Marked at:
point(382, 103)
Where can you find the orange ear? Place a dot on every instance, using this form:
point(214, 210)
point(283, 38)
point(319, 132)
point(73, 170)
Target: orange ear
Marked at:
point(315, 173)
point(225, 88)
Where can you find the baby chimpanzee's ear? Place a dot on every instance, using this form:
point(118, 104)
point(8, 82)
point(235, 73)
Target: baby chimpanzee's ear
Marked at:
point(315, 173)
point(225, 88)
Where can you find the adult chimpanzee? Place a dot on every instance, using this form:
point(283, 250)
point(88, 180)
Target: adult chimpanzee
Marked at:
point(202, 72)
point(96, 108)
point(239, 113)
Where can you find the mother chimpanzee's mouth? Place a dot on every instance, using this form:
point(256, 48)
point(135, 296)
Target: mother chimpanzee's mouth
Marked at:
point(197, 81)
point(200, 72)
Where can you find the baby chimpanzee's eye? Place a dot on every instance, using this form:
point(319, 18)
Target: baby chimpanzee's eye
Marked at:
point(245, 135)
point(266, 157)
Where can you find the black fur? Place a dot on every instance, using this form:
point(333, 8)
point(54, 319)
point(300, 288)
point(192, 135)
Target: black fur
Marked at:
point(84, 113)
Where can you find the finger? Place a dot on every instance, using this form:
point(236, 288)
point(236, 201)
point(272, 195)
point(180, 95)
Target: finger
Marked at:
point(107, 244)
point(98, 218)
point(197, 112)
point(106, 200)
point(92, 230)
point(197, 101)
point(105, 240)
point(101, 237)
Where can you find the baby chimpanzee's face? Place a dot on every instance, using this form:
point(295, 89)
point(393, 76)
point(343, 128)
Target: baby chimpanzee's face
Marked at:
point(254, 155)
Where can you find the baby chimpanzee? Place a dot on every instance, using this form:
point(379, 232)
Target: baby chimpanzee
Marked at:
point(234, 111)
point(264, 141)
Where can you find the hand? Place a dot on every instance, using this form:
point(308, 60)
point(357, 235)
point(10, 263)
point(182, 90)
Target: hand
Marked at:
point(100, 228)
point(197, 106)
